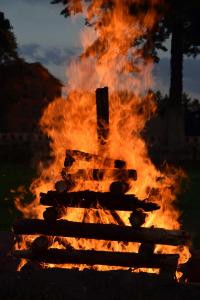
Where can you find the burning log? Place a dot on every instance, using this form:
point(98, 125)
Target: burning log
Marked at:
point(64, 186)
point(100, 174)
point(32, 266)
point(117, 218)
point(73, 155)
point(137, 218)
point(146, 249)
point(91, 257)
point(119, 187)
point(90, 199)
point(109, 232)
point(54, 213)
point(102, 115)
point(41, 244)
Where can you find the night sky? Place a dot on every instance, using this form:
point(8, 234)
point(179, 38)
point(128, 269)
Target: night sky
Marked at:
point(44, 35)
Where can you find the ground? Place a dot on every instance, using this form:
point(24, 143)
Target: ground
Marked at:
point(72, 284)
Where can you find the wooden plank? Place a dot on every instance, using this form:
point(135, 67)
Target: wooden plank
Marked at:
point(73, 155)
point(100, 174)
point(102, 108)
point(91, 257)
point(109, 232)
point(90, 199)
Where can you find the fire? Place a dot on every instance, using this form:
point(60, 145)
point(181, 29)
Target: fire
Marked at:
point(110, 58)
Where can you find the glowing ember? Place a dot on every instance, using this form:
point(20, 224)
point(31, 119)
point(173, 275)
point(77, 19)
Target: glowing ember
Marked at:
point(110, 58)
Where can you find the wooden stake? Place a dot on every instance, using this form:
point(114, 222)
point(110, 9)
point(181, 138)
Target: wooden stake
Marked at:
point(102, 107)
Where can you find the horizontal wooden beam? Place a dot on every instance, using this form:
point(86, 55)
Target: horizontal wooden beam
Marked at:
point(73, 155)
point(90, 199)
point(101, 231)
point(100, 174)
point(91, 257)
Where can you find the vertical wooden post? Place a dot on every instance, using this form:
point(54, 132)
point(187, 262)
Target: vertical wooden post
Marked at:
point(102, 106)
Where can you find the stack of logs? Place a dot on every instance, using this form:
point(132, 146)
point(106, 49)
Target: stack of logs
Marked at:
point(116, 199)
point(52, 227)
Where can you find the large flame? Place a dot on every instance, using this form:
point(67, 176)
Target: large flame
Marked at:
point(110, 58)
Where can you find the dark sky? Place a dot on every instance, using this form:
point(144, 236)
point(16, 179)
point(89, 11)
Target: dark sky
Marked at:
point(46, 36)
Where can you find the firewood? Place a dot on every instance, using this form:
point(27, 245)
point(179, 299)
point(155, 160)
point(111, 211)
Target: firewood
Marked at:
point(64, 186)
point(90, 199)
point(146, 248)
point(69, 160)
point(31, 266)
point(102, 107)
point(117, 218)
point(68, 179)
point(168, 272)
point(41, 243)
point(101, 232)
point(73, 155)
point(54, 213)
point(119, 187)
point(63, 241)
point(137, 218)
point(91, 257)
point(99, 174)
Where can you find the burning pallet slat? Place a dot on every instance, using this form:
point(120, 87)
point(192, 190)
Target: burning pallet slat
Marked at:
point(90, 199)
point(100, 174)
point(109, 232)
point(91, 257)
point(73, 155)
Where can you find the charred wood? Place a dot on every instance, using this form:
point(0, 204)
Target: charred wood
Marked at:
point(90, 199)
point(102, 108)
point(101, 232)
point(41, 243)
point(31, 266)
point(137, 218)
point(54, 213)
point(99, 174)
point(117, 218)
point(146, 248)
point(119, 187)
point(73, 155)
point(64, 185)
point(91, 257)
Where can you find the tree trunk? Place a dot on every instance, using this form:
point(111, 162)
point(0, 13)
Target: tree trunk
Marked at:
point(175, 112)
point(176, 80)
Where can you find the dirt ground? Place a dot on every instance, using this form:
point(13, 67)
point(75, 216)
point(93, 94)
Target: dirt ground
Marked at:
point(72, 284)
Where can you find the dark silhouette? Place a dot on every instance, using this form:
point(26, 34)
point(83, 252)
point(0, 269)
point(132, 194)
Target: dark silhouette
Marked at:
point(8, 44)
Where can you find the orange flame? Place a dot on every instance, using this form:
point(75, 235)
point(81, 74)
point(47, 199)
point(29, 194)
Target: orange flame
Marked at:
point(110, 58)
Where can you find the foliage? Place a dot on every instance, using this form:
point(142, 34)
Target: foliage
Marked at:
point(189, 103)
point(187, 13)
point(147, 44)
point(8, 45)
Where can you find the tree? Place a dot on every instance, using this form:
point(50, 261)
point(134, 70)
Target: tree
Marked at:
point(8, 45)
point(180, 20)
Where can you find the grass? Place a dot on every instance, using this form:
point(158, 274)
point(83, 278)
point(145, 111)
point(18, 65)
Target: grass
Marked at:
point(189, 203)
point(13, 175)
